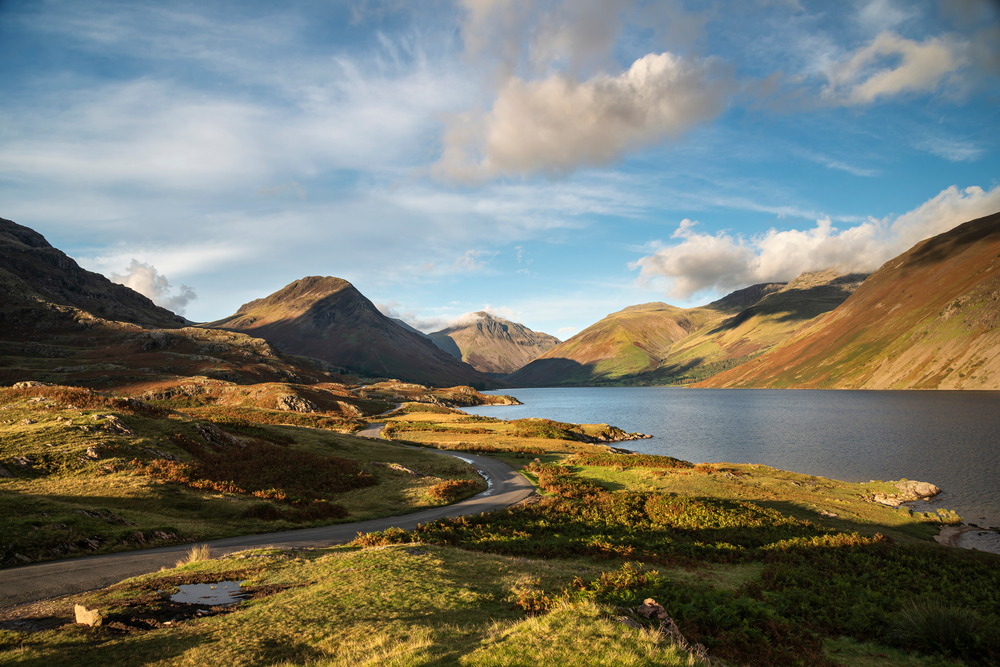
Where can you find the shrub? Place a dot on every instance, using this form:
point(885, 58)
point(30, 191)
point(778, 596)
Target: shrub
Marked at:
point(932, 627)
point(453, 489)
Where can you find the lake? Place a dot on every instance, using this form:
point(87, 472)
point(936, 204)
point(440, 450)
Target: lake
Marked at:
point(948, 438)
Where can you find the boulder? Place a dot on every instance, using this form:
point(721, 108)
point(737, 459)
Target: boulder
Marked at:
point(84, 616)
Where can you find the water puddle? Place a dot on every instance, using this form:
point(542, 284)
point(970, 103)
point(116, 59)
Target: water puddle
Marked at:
point(219, 593)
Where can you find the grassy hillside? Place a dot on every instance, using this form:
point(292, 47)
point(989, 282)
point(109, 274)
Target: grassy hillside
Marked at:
point(728, 342)
point(634, 340)
point(927, 319)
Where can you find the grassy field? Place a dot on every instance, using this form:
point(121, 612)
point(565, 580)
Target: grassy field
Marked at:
point(756, 566)
point(92, 474)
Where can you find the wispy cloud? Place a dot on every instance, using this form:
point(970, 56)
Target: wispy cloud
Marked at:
point(953, 151)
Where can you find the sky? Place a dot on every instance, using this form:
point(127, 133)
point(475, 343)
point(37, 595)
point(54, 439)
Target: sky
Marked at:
point(550, 162)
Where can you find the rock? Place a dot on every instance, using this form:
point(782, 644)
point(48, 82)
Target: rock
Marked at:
point(908, 491)
point(84, 616)
point(115, 425)
point(293, 403)
point(650, 609)
point(27, 422)
point(29, 384)
point(93, 452)
point(23, 461)
point(5, 474)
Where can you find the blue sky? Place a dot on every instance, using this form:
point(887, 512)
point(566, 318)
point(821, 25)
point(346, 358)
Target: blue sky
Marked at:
point(550, 161)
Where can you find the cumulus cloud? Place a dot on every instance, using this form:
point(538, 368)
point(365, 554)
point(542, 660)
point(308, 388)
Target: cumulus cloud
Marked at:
point(145, 280)
point(722, 262)
point(558, 124)
point(892, 65)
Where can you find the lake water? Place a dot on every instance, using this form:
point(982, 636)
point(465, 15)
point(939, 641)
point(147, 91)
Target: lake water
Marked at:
point(951, 439)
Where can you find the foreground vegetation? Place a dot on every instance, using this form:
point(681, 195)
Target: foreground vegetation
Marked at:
point(756, 566)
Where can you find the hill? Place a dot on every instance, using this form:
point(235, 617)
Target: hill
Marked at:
point(927, 319)
point(493, 345)
point(329, 319)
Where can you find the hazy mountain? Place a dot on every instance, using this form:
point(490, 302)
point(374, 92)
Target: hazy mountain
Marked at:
point(927, 319)
point(327, 318)
point(492, 344)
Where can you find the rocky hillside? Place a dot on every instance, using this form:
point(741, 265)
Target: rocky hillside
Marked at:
point(493, 345)
point(928, 319)
point(328, 319)
point(42, 285)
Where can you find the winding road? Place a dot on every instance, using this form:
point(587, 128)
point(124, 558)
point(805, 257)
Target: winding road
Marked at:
point(41, 581)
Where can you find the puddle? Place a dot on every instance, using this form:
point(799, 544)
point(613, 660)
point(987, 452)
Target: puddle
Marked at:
point(219, 593)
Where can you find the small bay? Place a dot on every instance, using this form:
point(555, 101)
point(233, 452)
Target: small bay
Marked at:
point(951, 439)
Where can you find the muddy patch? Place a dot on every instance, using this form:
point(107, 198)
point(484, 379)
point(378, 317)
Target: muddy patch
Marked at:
point(150, 609)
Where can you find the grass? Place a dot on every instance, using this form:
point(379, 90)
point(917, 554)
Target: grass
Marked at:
point(405, 605)
point(196, 554)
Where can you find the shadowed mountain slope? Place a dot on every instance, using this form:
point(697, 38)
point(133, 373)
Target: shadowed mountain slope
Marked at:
point(927, 319)
point(493, 345)
point(327, 318)
point(38, 282)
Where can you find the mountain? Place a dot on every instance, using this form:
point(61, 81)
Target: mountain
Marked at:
point(493, 345)
point(327, 318)
point(41, 284)
point(631, 341)
point(778, 311)
point(927, 319)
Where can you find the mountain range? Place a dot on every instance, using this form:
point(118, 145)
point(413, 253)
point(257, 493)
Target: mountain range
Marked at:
point(926, 319)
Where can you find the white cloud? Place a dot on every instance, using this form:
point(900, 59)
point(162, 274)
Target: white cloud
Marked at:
point(892, 65)
point(558, 124)
point(722, 262)
point(145, 280)
point(566, 332)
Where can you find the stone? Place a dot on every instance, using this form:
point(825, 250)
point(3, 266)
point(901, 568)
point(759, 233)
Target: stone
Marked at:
point(293, 403)
point(650, 609)
point(84, 616)
point(5, 474)
point(93, 452)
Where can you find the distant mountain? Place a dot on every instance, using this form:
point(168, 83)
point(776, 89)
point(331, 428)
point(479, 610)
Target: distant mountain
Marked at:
point(632, 341)
point(327, 318)
point(492, 344)
point(39, 282)
point(928, 319)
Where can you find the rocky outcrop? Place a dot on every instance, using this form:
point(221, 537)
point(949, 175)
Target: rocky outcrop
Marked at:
point(908, 491)
point(293, 403)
